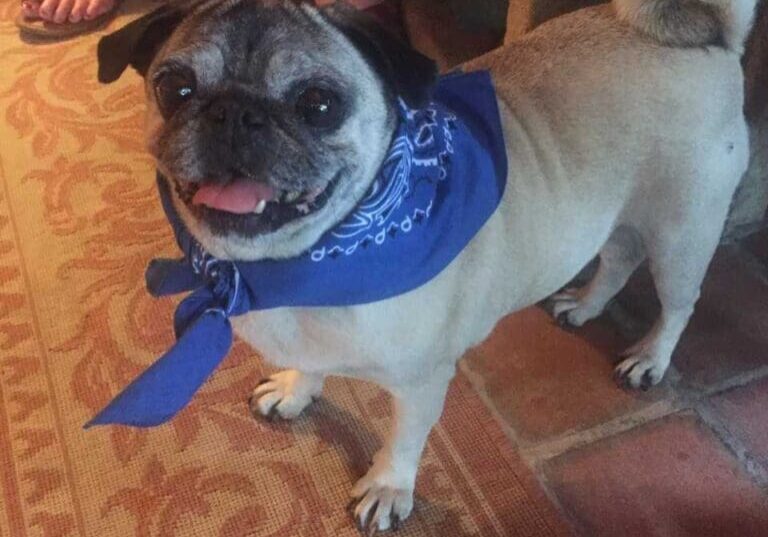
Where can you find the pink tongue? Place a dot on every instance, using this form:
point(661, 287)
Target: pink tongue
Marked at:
point(240, 197)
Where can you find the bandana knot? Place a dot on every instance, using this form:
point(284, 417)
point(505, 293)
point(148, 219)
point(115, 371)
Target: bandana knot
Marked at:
point(223, 281)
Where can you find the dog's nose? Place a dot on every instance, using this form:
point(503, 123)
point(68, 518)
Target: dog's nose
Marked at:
point(237, 113)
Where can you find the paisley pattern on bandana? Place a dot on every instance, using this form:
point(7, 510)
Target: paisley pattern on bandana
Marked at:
point(420, 151)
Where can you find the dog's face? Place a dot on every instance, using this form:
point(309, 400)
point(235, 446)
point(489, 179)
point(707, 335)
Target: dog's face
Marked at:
point(270, 118)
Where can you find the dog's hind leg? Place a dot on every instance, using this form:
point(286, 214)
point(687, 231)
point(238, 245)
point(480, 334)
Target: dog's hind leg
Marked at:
point(621, 255)
point(285, 394)
point(680, 216)
point(679, 254)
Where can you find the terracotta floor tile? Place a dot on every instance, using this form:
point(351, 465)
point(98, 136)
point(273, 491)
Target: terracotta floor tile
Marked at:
point(510, 502)
point(745, 412)
point(545, 381)
point(728, 334)
point(671, 478)
point(758, 245)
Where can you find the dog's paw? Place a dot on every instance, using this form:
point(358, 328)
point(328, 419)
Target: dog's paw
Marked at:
point(380, 503)
point(640, 371)
point(285, 395)
point(571, 309)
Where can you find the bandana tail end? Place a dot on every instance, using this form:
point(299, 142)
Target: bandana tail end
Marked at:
point(159, 393)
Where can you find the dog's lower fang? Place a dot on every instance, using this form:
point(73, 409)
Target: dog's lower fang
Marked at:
point(292, 196)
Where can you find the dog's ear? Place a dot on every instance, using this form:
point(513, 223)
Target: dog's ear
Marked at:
point(409, 74)
point(137, 43)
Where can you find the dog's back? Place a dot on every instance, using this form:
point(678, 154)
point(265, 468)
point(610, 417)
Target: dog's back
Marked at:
point(668, 68)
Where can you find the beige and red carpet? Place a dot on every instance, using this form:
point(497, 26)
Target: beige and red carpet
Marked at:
point(78, 222)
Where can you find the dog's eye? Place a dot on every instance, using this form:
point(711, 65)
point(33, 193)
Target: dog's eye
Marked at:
point(173, 89)
point(319, 108)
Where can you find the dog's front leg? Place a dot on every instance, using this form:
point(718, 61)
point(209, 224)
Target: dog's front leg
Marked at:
point(384, 496)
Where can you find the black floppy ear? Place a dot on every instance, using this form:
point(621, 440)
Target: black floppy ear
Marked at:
point(137, 43)
point(408, 73)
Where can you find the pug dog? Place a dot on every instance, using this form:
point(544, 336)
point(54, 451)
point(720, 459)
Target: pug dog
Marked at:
point(625, 137)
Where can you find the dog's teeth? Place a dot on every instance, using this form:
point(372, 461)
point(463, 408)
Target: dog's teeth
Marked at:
point(303, 208)
point(313, 194)
point(292, 196)
point(260, 207)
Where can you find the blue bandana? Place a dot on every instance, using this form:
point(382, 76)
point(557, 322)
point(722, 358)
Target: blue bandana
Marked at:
point(443, 178)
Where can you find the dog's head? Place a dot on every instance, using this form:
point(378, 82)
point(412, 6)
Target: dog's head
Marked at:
point(271, 118)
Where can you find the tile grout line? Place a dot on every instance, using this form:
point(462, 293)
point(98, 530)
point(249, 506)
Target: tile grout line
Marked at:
point(535, 458)
point(535, 466)
point(711, 419)
point(554, 499)
point(44, 355)
point(478, 386)
point(737, 381)
point(550, 449)
point(539, 452)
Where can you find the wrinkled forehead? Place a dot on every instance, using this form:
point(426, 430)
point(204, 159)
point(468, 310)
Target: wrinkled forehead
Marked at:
point(259, 40)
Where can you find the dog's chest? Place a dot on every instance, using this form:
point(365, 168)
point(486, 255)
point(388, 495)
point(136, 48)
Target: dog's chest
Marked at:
point(311, 340)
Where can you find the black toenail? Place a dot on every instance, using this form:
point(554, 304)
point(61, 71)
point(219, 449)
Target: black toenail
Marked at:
point(564, 323)
point(616, 375)
point(272, 414)
point(369, 517)
point(646, 382)
point(624, 381)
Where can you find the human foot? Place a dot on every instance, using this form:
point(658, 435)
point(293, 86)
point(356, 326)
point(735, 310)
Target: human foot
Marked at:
point(62, 11)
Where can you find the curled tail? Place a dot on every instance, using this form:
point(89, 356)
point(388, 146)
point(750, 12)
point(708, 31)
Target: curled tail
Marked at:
point(689, 23)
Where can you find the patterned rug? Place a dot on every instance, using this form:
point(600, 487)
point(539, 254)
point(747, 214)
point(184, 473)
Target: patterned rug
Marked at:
point(79, 220)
